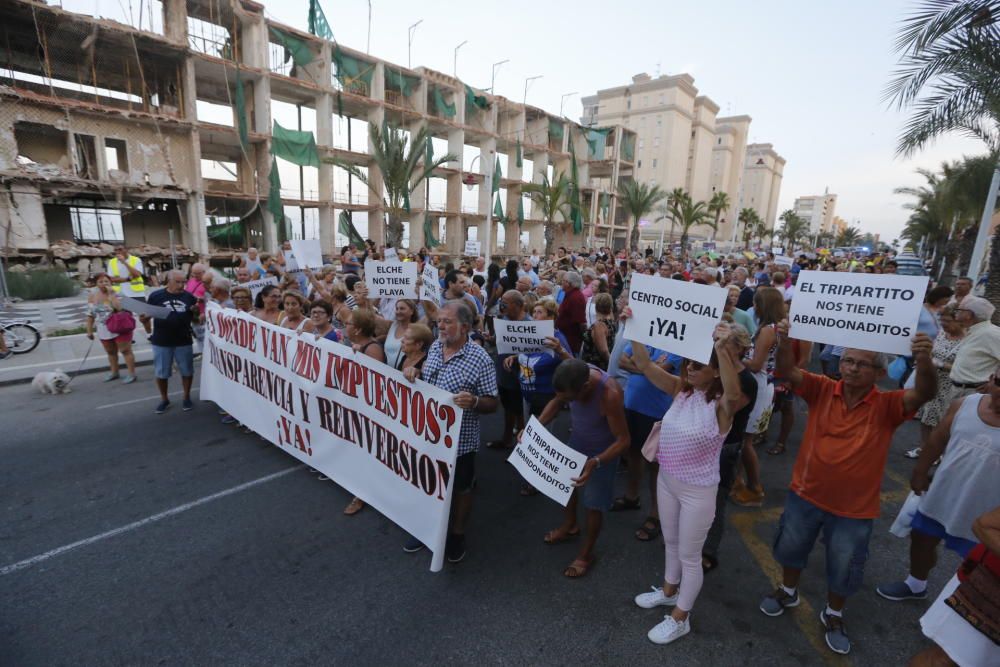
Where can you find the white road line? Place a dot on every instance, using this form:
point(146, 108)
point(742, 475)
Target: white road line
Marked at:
point(143, 522)
point(140, 400)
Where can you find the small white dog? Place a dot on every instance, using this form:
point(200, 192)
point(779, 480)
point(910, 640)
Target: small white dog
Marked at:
point(52, 382)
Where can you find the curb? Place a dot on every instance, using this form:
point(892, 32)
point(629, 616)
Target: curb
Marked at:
point(85, 371)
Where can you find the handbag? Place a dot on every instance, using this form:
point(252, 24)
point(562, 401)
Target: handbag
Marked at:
point(651, 447)
point(120, 322)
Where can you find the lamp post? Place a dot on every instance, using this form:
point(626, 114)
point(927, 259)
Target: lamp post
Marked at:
point(526, 83)
point(488, 184)
point(455, 72)
point(493, 78)
point(563, 99)
point(409, 44)
point(368, 44)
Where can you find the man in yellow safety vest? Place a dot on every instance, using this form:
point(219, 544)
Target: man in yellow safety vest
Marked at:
point(125, 271)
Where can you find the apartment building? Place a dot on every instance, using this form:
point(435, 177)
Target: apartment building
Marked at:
point(762, 175)
point(682, 141)
point(208, 122)
point(818, 210)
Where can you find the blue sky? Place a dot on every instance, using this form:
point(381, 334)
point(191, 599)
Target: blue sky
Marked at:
point(810, 74)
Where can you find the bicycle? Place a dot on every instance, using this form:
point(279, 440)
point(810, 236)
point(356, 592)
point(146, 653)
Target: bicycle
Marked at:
point(20, 336)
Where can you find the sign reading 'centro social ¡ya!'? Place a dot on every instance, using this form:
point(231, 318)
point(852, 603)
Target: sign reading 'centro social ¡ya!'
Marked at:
point(674, 315)
point(867, 311)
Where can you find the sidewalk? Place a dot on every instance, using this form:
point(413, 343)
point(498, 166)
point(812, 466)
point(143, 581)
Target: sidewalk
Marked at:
point(70, 354)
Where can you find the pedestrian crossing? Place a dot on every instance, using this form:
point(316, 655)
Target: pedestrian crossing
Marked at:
point(62, 315)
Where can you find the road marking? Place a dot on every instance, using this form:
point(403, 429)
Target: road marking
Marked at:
point(140, 400)
point(144, 522)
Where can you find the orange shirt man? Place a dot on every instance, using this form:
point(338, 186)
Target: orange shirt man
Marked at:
point(838, 472)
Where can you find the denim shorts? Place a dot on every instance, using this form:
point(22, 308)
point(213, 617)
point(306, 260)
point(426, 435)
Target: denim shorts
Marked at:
point(846, 543)
point(599, 491)
point(164, 358)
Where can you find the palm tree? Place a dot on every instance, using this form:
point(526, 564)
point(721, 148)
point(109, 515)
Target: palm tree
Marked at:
point(718, 204)
point(794, 228)
point(688, 214)
point(992, 292)
point(403, 165)
point(750, 219)
point(553, 199)
point(849, 237)
point(638, 199)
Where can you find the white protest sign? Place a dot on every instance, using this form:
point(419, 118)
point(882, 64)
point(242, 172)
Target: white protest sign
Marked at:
point(391, 254)
point(783, 260)
point(867, 311)
point(528, 336)
point(143, 308)
point(255, 286)
point(472, 248)
point(431, 285)
point(674, 315)
point(391, 279)
point(356, 420)
point(777, 251)
point(308, 254)
point(547, 464)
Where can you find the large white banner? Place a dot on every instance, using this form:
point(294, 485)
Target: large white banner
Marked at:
point(867, 311)
point(528, 336)
point(391, 279)
point(546, 463)
point(388, 441)
point(674, 315)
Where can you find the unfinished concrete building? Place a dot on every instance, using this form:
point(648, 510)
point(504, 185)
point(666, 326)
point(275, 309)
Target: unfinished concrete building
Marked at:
point(111, 132)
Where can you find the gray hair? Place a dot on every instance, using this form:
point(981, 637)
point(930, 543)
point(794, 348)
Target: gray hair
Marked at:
point(514, 296)
point(589, 273)
point(742, 270)
point(466, 317)
point(198, 266)
point(880, 360)
point(574, 279)
point(221, 284)
point(176, 274)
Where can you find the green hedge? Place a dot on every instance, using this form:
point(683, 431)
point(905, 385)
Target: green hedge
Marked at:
point(34, 285)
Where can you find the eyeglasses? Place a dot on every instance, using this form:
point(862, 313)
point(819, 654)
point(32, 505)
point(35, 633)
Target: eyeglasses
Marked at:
point(856, 363)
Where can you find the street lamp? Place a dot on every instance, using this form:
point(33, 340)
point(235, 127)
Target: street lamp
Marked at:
point(563, 99)
point(488, 176)
point(493, 79)
point(526, 82)
point(409, 44)
point(368, 45)
point(456, 56)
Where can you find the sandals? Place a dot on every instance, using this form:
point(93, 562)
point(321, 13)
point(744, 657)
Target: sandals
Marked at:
point(559, 535)
point(355, 506)
point(779, 448)
point(649, 530)
point(624, 503)
point(579, 567)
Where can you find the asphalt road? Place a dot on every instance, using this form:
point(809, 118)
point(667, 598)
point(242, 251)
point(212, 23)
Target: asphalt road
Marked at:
point(272, 572)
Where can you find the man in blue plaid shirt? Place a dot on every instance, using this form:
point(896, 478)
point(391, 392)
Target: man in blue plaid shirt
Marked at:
point(456, 364)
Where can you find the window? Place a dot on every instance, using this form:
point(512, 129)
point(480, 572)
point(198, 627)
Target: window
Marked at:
point(116, 154)
point(641, 142)
point(86, 156)
point(662, 98)
point(645, 101)
point(97, 224)
point(659, 121)
point(628, 104)
point(654, 163)
point(640, 164)
point(718, 141)
point(656, 142)
point(693, 132)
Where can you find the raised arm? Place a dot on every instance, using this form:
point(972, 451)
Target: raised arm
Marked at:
point(660, 378)
point(785, 363)
point(925, 385)
point(932, 451)
point(732, 399)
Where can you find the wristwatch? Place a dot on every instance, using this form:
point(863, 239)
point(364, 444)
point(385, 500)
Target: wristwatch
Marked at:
point(596, 459)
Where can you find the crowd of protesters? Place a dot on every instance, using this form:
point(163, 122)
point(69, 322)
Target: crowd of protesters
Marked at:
point(693, 429)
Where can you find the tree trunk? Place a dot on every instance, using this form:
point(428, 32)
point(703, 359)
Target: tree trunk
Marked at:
point(966, 245)
point(992, 293)
point(550, 238)
point(394, 231)
point(633, 237)
point(684, 241)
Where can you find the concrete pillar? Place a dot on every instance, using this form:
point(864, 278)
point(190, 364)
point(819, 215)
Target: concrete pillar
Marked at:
point(418, 198)
point(376, 217)
point(175, 20)
point(324, 137)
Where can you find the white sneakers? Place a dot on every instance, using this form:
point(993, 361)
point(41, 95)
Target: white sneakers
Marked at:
point(655, 599)
point(669, 629)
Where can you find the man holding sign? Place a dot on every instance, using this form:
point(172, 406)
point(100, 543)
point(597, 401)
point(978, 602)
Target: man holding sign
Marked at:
point(838, 473)
point(598, 431)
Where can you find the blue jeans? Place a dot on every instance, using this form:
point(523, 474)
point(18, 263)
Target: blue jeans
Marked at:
point(846, 543)
point(164, 358)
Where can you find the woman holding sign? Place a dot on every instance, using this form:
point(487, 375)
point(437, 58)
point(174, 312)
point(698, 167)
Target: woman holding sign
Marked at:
point(361, 333)
point(706, 397)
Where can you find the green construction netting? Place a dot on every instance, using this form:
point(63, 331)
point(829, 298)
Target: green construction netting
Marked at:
point(555, 129)
point(497, 175)
point(518, 158)
point(576, 209)
point(429, 239)
point(428, 153)
point(241, 111)
point(295, 146)
point(628, 147)
point(520, 210)
point(346, 227)
point(605, 204)
point(404, 83)
point(274, 204)
point(596, 139)
point(473, 100)
point(318, 24)
point(229, 235)
point(351, 70)
point(442, 107)
point(498, 209)
point(295, 48)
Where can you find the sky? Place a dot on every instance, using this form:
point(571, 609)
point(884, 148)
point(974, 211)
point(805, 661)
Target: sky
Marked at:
point(811, 75)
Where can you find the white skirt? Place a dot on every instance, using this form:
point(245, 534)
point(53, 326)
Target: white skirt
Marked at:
point(964, 644)
point(760, 414)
